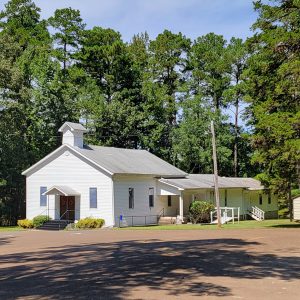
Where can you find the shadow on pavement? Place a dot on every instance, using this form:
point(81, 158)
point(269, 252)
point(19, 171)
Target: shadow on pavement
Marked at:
point(113, 270)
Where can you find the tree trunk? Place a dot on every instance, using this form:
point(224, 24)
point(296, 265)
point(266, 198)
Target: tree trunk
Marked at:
point(65, 57)
point(290, 203)
point(235, 154)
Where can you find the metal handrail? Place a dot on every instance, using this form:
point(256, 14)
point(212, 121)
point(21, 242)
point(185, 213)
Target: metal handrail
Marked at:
point(47, 212)
point(67, 211)
point(161, 213)
point(132, 219)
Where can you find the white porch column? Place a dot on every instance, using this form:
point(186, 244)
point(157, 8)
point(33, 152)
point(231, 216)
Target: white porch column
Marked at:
point(181, 206)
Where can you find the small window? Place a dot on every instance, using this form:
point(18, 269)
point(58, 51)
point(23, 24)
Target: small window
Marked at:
point(169, 200)
point(93, 197)
point(225, 198)
point(131, 197)
point(43, 198)
point(151, 197)
point(269, 197)
point(260, 199)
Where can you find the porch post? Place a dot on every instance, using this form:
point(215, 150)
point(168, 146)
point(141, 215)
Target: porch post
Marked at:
point(181, 206)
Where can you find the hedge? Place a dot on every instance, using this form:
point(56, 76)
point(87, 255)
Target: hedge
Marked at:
point(25, 223)
point(40, 220)
point(89, 223)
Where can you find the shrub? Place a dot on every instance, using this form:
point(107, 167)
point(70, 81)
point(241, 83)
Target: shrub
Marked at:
point(199, 211)
point(25, 223)
point(40, 220)
point(283, 213)
point(90, 223)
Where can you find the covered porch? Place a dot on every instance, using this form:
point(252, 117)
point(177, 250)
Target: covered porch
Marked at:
point(235, 193)
point(177, 205)
point(63, 203)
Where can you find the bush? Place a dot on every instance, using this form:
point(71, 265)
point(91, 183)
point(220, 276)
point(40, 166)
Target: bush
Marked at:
point(283, 213)
point(199, 211)
point(90, 223)
point(40, 220)
point(25, 223)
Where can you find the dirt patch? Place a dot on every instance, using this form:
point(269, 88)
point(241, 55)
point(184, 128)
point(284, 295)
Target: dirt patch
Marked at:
point(115, 264)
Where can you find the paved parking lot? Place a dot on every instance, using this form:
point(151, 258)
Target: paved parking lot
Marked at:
point(125, 264)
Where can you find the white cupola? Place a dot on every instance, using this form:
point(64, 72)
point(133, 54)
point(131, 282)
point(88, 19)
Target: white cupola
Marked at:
point(72, 134)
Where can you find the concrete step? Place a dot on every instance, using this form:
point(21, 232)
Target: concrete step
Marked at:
point(167, 220)
point(54, 225)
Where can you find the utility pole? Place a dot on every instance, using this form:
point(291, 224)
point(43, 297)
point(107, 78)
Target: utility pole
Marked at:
point(217, 195)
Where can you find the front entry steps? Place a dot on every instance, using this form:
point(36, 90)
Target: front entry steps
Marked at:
point(167, 220)
point(54, 225)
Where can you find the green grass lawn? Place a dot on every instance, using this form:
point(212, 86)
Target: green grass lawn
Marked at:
point(278, 223)
point(10, 228)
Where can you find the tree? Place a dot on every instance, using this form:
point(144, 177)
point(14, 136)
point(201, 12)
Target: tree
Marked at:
point(237, 55)
point(162, 88)
point(68, 27)
point(23, 41)
point(273, 89)
point(106, 59)
point(193, 147)
point(209, 67)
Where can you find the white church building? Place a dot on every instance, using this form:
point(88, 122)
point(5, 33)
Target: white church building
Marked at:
point(77, 181)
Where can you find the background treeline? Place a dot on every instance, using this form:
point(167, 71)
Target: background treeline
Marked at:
point(158, 95)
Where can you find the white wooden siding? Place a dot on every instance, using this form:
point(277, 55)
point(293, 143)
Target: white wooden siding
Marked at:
point(67, 168)
point(296, 208)
point(141, 185)
point(265, 206)
point(172, 210)
point(165, 189)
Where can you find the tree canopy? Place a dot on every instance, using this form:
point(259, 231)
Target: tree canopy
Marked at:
point(157, 94)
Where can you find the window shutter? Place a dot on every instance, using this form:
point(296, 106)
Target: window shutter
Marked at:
point(93, 197)
point(151, 197)
point(43, 198)
point(260, 199)
point(131, 197)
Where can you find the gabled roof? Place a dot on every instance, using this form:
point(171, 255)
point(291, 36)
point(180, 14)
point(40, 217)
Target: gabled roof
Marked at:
point(120, 161)
point(72, 126)
point(61, 190)
point(206, 181)
point(130, 161)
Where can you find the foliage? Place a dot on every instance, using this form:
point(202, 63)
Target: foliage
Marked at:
point(283, 213)
point(157, 94)
point(25, 223)
point(90, 223)
point(40, 220)
point(199, 211)
point(273, 92)
point(209, 68)
point(295, 193)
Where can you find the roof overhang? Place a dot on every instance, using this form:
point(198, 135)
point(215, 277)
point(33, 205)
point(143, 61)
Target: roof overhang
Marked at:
point(32, 168)
point(61, 190)
point(72, 127)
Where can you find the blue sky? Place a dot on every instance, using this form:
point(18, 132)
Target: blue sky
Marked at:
point(191, 17)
